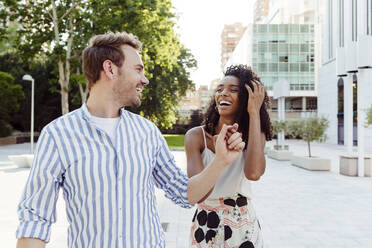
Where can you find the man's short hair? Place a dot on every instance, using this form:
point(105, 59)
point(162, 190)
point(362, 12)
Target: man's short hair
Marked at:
point(106, 47)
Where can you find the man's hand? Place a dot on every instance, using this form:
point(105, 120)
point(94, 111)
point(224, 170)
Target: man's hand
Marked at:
point(255, 98)
point(227, 150)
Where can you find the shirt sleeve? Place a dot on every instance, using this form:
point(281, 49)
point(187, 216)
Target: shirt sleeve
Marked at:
point(168, 176)
point(36, 210)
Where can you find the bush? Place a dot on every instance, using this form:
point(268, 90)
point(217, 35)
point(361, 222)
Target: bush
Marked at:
point(278, 126)
point(10, 96)
point(5, 129)
point(294, 129)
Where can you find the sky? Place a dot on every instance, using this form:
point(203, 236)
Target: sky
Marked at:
point(200, 24)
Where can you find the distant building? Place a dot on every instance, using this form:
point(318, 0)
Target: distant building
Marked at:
point(285, 45)
point(194, 100)
point(230, 37)
point(261, 10)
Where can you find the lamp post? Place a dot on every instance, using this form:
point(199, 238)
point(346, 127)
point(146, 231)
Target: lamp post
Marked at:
point(29, 78)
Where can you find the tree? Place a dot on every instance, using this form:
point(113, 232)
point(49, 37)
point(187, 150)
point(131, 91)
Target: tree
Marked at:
point(61, 30)
point(196, 118)
point(369, 115)
point(52, 30)
point(10, 95)
point(313, 129)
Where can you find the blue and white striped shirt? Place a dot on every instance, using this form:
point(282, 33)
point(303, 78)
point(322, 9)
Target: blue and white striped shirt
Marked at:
point(109, 190)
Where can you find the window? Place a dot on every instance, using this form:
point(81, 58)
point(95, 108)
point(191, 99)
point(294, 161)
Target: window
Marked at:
point(304, 67)
point(369, 17)
point(283, 48)
point(294, 67)
point(283, 67)
point(283, 58)
point(330, 29)
point(341, 22)
point(354, 20)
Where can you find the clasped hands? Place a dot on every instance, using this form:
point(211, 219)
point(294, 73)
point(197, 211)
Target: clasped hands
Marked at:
point(228, 143)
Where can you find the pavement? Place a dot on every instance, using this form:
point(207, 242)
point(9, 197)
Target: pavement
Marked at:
point(297, 208)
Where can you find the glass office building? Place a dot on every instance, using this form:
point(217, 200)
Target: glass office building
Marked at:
point(284, 52)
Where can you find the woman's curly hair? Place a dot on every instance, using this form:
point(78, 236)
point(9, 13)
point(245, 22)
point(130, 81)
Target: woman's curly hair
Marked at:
point(245, 76)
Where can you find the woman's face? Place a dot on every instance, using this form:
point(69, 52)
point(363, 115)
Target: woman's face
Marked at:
point(226, 96)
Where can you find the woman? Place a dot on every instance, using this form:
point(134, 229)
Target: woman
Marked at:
point(225, 217)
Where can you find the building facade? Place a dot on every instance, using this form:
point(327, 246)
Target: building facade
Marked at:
point(285, 45)
point(230, 37)
point(282, 52)
point(345, 77)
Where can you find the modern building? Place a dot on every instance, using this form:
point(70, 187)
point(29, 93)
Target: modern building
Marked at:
point(285, 45)
point(345, 77)
point(260, 10)
point(230, 37)
point(282, 52)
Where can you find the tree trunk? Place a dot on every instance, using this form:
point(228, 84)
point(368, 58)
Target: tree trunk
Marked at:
point(83, 92)
point(308, 146)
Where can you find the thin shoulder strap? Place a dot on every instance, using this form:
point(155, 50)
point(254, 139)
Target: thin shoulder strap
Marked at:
point(205, 141)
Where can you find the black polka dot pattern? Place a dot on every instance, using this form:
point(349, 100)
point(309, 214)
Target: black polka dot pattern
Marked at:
point(199, 235)
point(210, 234)
point(228, 232)
point(246, 244)
point(202, 217)
point(233, 224)
point(213, 220)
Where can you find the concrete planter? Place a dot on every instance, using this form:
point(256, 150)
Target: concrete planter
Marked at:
point(349, 165)
point(279, 147)
point(22, 161)
point(267, 149)
point(312, 163)
point(282, 155)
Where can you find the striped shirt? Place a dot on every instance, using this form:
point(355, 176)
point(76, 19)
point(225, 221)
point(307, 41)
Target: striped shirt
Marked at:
point(109, 190)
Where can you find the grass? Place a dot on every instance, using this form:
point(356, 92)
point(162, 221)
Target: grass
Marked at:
point(175, 140)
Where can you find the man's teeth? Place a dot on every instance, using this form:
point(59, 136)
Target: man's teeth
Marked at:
point(139, 89)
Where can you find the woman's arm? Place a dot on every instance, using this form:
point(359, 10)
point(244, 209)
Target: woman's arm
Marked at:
point(255, 163)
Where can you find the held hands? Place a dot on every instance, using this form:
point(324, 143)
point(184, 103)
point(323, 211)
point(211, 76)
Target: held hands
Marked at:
point(228, 144)
point(255, 98)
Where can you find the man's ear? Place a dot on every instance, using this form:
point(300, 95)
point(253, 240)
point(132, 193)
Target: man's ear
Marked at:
point(109, 69)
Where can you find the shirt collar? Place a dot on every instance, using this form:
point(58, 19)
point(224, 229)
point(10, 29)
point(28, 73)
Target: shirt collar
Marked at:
point(88, 116)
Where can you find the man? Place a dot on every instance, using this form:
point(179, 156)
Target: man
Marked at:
point(107, 160)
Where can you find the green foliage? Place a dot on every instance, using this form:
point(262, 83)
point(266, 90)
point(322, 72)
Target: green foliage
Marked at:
point(314, 128)
point(47, 103)
point(10, 95)
point(196, 118)
point(279, 126)
point(167, 61)
point(294, 128)
point(369, 115)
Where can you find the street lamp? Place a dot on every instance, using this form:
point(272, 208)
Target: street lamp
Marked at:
point(29, 78)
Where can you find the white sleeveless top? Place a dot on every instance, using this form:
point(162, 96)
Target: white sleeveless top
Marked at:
point(232, 179)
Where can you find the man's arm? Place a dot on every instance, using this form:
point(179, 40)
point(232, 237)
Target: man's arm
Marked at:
point(36, 210)
point(30, 243)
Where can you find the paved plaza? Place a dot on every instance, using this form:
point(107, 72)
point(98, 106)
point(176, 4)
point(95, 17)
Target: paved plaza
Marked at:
point(297, 208)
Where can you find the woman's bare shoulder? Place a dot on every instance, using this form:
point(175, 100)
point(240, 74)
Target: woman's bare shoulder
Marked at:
point(194, 137)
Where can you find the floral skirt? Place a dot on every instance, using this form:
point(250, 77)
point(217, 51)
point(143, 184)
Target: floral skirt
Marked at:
point(226, 222)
